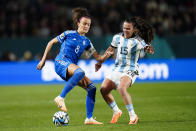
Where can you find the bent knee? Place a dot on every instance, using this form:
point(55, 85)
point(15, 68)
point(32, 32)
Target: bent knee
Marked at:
point(122, 90)
point(105, 90)
point(79, 72)
point(102, 90)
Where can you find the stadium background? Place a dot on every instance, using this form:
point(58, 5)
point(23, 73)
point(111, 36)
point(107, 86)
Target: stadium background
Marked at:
point(168, 76)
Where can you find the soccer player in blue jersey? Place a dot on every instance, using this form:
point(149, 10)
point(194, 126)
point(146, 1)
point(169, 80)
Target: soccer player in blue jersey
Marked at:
point(73, 44)
point(137, 35)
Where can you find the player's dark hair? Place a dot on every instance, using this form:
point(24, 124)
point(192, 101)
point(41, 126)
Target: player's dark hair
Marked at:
point(78, 13)
point(144, 29)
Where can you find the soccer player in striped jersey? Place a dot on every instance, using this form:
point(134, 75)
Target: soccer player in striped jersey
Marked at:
point(137, 35)
point(73, 44)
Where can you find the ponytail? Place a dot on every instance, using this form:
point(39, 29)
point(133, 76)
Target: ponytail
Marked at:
point(144, 29)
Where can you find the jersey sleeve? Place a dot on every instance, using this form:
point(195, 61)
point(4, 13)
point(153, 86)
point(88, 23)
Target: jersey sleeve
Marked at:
point(62, 36)
point(90, 49)
point(143, 44)
point(115, 41)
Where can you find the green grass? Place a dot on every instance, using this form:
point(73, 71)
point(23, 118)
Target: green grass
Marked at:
point(160, 107)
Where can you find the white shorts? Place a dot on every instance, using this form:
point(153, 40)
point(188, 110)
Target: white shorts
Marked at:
point(116, 76)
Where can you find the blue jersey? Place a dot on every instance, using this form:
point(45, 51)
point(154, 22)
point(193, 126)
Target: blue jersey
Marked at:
point(73, 45)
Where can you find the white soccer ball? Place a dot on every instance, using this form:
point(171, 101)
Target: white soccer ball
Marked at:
point(60, 118)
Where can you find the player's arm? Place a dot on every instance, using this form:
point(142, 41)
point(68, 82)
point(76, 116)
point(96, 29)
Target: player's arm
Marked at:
point(149, 49)
point(90, 51)
point(111, 50)
point(107, 54)
point(47, 50)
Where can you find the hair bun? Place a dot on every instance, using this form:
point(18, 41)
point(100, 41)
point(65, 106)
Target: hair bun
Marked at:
point(79, 13)
point(82, 11)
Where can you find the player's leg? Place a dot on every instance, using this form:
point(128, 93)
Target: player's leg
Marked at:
point(76, 74)
point(125, 82)
point(106, 87)
point(90, 100)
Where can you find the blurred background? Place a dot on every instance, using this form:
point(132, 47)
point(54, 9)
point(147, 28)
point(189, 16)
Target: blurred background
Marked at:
point(26, 26)
point(164, 95)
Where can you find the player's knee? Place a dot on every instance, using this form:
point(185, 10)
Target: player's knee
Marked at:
point(102, 90)
point(79, 72)
point(122, 90)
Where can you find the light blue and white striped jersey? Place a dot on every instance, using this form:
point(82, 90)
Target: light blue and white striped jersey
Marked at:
point(128, 51)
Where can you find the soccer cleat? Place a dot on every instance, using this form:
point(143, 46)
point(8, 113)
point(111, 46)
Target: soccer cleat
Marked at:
point(115, 117)
point(61, 104)
point(92, 121)
point(133, 120)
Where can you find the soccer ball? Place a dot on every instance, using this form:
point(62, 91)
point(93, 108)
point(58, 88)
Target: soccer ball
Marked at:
point(60, 118)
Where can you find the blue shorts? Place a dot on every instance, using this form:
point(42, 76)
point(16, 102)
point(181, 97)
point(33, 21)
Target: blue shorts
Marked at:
point(61, 68)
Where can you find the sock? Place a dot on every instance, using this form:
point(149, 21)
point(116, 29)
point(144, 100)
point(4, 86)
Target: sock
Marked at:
point(73, 81)
point(130, 109)
point(90, 100)
point(114, 107)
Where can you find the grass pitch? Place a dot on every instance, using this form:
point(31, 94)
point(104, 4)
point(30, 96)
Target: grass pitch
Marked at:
point(160, 107)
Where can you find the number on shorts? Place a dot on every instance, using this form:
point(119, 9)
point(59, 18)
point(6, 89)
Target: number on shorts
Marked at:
point(132, 73)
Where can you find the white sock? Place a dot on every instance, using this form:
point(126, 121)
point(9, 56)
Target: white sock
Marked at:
point(114, 107)
point(130, 109)
point(89, 118)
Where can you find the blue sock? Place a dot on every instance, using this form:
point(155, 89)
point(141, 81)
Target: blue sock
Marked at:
point(90, 100)
point(73, 81)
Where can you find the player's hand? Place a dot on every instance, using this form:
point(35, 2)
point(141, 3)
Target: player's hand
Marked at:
point(149, 49)
point(40, 65)
point(97, 66)
point(109, 53)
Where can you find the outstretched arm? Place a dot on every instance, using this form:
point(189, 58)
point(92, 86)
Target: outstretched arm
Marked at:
point(149, 49)
point(106, 55)
point(47, 50)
